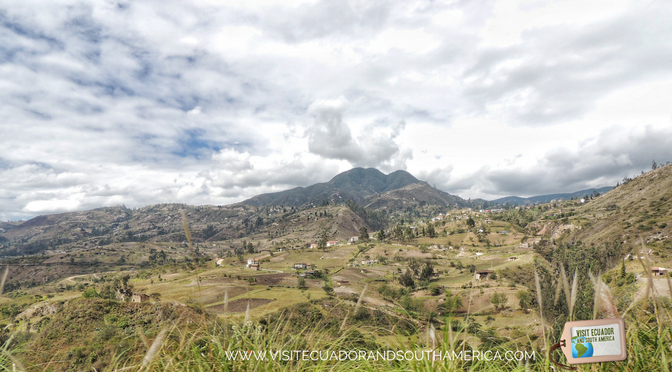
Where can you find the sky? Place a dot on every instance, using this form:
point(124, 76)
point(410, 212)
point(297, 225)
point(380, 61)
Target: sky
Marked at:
point(106, 103)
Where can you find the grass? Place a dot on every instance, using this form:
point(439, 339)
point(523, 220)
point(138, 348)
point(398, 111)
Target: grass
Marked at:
point(206, 343)
point(209, 346)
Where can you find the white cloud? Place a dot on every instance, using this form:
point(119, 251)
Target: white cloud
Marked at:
point(330, 137)
point(208, 102)
point(47, 206)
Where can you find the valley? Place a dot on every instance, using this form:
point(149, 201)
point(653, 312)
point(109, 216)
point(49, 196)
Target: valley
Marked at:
point(438, 263)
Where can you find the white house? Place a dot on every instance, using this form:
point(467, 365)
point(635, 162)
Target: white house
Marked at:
point(252, 261)
point(314, 245)
point(354, 239)
point(331, 243)
point(220, 262)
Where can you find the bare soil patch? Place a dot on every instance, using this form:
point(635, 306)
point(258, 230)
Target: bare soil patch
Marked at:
point(271, 279)
point(343, 290)
point(278, 258)
point(414, 253)
point(207, 282)
point(354, 275)
point(239, 306)
point(216, 294)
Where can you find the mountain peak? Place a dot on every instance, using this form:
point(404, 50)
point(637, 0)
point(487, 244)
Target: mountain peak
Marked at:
point(355, 184)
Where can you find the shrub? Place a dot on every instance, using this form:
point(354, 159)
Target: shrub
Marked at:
point(90, 293)
point(434, 289)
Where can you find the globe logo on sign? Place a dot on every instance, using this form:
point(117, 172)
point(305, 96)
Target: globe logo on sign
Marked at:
point(581, 348)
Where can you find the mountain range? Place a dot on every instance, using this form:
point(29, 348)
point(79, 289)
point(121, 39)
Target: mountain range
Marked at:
point(516, 200)
point(373, 189)
point(270, 214)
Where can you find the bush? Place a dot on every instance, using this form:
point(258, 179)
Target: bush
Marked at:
point(90, 293)
point(434, 289)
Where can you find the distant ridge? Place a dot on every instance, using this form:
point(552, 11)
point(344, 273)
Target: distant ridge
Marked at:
point(420, 193)
point(515, 200)
point(355, 184)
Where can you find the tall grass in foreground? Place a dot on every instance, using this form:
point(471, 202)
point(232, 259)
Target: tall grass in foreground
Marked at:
point(210, 346)
point(209, 350)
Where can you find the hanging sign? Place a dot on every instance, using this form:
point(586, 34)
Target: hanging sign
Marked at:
point(592, 341)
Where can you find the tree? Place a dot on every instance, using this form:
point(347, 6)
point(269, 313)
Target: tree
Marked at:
point(152, 255)
point(654, 166)
point(415, 266)
point(430, 230)
point(524, 299)
point(398, 233)
point(408, 233)
point(473, 328)
point(499, 300)
point(209, 232)
point(381, 236)
point(470, 222)
point(118, 289)
point(453, 303)
point(156, 297)
point(322, 242)
point(363, 234)
point(406, 279)
point(427, 270)
point(301, 282)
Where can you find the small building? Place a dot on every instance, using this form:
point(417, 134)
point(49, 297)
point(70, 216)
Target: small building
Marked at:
point(525, 245)
point(220, 261)
point(301, 266)
point(252, 261)
point(341, 282)
point(483, 274)
point(314, 245)
point(309, 272)
point(331, 243)
point(354, 239)
point(139, 297)
point(513, 258)
point(659, 270)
